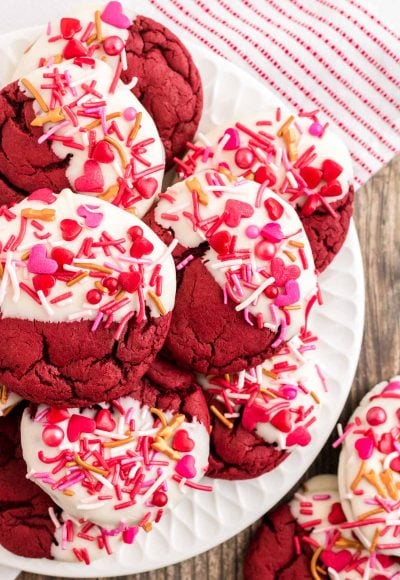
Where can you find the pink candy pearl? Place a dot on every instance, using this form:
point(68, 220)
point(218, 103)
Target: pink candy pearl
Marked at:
point(244, 158)
point(288, 393)
point(316, 129)
point(265, 250)
point(52, 435)
point(252, 232)
point(113, 45)
point(129, 114)
point(376, 416)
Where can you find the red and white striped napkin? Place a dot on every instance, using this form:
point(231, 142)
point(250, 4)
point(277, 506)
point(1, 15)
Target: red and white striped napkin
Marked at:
point(339, 56)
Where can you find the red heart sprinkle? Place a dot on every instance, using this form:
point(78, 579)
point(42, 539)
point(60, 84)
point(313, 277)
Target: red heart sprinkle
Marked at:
point(283, 273)
point(234, 139)
point(395, 464)
point(105, 421)
point(332, 189)
point(141, 247)
point(130, 281)
point(92, 179)
point(311, 175)
point(331, 170)
point(336, 560)
point(274, 208)
point(135, 232)
point(62, 256)
point(282, 421)
point(73, 49)
point(253, 414)
point(70, 229)
point(69, 27)
point(365, 447)
point(182, 441)
point(236, 210)
point(44, 194)
point(311, 204)
point(220, 242)
point(386, 443)
point(300, 436)
point(39, 263)
point(336, 515)
point(57, 415)
point(186, 467)
point(385, 561)
point(79, 424)
point(265, 174)
point(43, 282)
point(103, 153)
point(147, 187)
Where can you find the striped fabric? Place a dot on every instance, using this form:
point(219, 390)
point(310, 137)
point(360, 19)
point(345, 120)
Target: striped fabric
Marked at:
point(339, 56)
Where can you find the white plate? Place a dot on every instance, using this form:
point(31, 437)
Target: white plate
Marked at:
point(204, 520)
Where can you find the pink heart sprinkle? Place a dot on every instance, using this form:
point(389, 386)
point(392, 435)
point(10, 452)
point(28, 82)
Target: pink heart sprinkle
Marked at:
point(393, 386)
point(79, 424)
point(92, 179)
point(365, 447)
point(113, 14)
point(92, 218)
point(44, 194)
point(300, 436)
point(39, 263)
point(290, 296)
point(236, 210)
point(186, 467)
point(272, 232)
point(234, 139)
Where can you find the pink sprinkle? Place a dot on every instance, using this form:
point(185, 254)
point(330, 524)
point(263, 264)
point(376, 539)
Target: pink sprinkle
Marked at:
point(97, 321)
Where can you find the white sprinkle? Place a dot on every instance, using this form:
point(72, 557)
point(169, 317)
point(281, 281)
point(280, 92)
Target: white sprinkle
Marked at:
point(92, 506)
point(153, 487)
point(226, 264)
point(124, 60)
point(53, 518)
point(203, 139)
point(133, 470)
point(70, 268)
point(178, 208)
point(388, 459)
point(291, 179)
point(82, 314)
point(255, 294)
point(241, 377)
point(167, 252)
point(109, 435)
point(232, 415)
point(118, 168)
point(219, 148)
point(45, 303)
point(14, 281)
point(102, 480)
point(132, 84)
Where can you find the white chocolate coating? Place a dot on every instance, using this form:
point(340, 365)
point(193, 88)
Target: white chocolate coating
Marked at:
point(371, 455)
point(271, 150)
point(247, 288)
point(289, 388)
point(135, 425)
point(15, 303)
point(143, 166)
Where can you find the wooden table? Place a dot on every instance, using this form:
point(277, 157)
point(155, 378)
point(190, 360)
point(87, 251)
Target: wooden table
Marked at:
point(377, 216)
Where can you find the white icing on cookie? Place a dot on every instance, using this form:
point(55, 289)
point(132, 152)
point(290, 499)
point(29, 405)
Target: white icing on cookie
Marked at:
point(49, 47)
point(291, 156)
point(259, 253)
point(116, 152)
point(369, 467)
point(317, 508)
point(7, 401)
point(151, 460)
point(280, 399)
point(107, 271)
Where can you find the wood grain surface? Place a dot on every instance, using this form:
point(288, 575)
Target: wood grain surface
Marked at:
point(377, 216)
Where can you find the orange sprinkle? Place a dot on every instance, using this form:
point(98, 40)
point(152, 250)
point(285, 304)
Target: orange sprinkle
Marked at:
point(387, 480)
point(347, 543)
point(25, 255)
point(285, 126)
point(53, 116)
point(289, 137)
point(162, 446)
point(221, 417)
point(268, 392)
point(135, 128)
point(315, 397)
point(77, 279)
point(160, 415)
point(110, 193)
point(291, 256)
point(292, 307)
point(97, 18)
point(89, 467)
point(120, 295)
point(313, 563)
point(167, 431)
point(90, 266)
point(269, 374)
point(118, 147)
point(372, 478)
point(374, 541)
point(296, 244)
point(366, 515)
point(68, 492)
point(157, 302)
point(97, 122)
point(3, 394)
point(8, 410)
point(100, 286)
point(148, 526)
point(36, 95)
point(194, 185)
point(359, 476)
point(119, 442)
point(46, 215)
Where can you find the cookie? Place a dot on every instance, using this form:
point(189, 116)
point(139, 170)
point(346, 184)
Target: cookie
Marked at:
point(298, 158)
point(264, 412)
point(369, 469)
point(85, 298)
point(147, 56)
point(74, 125)
point(246, 277)
point(125, 461)
point(310, 538)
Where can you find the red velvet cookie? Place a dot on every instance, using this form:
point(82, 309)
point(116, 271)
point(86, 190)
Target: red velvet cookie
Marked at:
point(85, 299)
point(73, 125)
point(246, 277)
point(144, 53)
point(310, 538)
point(298, 158)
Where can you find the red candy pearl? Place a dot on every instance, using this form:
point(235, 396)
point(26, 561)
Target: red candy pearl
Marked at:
point(52, 435)
point(135, 232)
point(244, 158)
point(271, 291)
point(376, 416)
point(93, 296)
point(110, 283)
point(113, 45)
point(160, 499)
point(265, 250)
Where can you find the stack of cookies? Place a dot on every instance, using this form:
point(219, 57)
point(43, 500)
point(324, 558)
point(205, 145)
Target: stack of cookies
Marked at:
point(150, 335)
